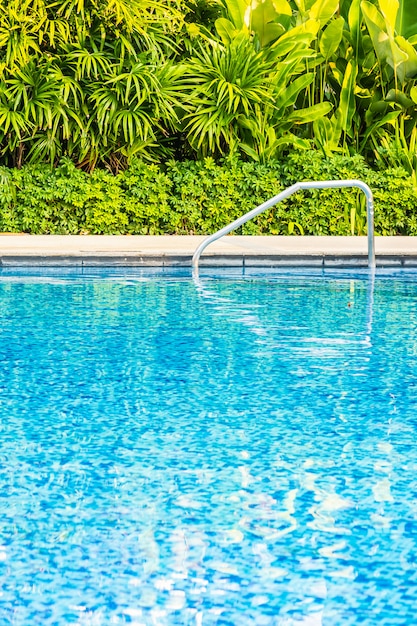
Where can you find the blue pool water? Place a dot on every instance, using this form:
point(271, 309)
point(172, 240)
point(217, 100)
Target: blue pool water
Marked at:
point(240, 450)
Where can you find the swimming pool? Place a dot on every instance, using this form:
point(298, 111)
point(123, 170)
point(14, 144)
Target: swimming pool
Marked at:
point(238, 450)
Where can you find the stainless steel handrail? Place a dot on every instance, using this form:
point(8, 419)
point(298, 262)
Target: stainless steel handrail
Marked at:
point(323, 184)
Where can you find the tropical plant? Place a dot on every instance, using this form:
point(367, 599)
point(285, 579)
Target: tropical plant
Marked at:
point(247, 93)
point(89, 80)
point(369, 76)
point(104, 81)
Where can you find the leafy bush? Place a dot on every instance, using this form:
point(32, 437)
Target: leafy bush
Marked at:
point(201, 197)
point(146, 191)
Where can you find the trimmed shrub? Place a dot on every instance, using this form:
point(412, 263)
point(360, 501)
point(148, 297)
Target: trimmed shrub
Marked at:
point(200, 197)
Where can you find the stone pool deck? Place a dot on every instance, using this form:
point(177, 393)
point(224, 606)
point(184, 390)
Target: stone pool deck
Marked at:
point(176, 251)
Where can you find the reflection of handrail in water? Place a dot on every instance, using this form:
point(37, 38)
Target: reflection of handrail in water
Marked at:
point(251, 321)
point(327, 501)
point(370, 304)
point(256, 326)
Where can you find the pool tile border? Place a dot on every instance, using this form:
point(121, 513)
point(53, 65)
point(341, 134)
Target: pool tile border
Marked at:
point(177, 251)
point(215, 261)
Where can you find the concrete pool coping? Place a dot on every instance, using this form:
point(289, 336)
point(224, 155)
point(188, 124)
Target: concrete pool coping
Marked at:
point(177, 251)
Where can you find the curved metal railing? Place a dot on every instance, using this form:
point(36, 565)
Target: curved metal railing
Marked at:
point(324, 184)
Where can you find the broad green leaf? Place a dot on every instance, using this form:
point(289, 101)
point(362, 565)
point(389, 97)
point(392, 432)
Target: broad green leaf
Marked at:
point(407, 69)
point(389, 118)
point(295, 142)
point(389, 10)
point(283, 8)
point(327, 134)
point(288, 96)
point(304, 5)
point(331, 38)
point(300, 5)
point(278, 11)
point(323, 10)
point(237, 10)
point(297, 38)
point(249, 151)
point(269, 33)
point(309, 114)
point(225, 30)
point(374, 20)
point(395, 95)
point(406, 24)
point(413, 94)
point(355, 21)
point(311, 26)
point(347, 103)
point(262, 12)
point(385, 46)
point(291, 226)
point(263, 21)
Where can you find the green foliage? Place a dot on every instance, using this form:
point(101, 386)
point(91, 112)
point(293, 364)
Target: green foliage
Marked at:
point(147, 193)
point(343, 212)
point(265, 19)
point(406, 20)
point(110, 81)
point(92, 81)
point(201, 197)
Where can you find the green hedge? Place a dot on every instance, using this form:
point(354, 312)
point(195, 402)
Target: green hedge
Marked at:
point(200, 197)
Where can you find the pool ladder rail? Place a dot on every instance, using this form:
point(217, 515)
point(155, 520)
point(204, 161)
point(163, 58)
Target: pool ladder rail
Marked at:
point(322, 184)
